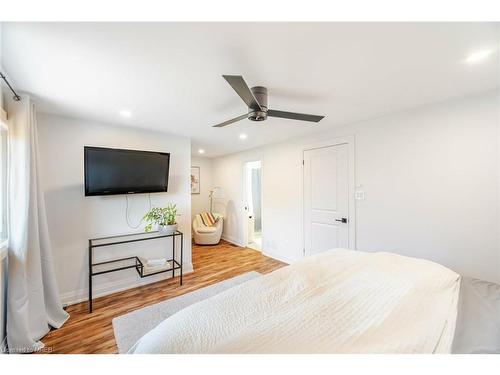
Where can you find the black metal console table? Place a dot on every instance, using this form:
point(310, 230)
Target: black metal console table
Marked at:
point(132, 261)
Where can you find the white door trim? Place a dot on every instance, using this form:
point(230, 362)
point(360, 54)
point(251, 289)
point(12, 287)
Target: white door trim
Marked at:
point(244, 225)
point(350, 141)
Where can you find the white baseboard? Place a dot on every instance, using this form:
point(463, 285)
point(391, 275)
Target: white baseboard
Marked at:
point(281, 258)
point(233, 240)
point(104, 289)
point(266, 252)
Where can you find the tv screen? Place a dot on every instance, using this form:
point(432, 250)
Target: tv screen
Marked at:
point(113, 171)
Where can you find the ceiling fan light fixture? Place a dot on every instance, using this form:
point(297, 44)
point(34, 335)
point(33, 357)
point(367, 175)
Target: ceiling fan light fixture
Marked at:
point(257, 115)
point(256, 100)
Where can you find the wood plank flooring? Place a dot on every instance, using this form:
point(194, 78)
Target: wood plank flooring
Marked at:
point(93, 333)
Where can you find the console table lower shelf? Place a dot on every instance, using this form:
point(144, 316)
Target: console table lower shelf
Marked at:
point(120, 264)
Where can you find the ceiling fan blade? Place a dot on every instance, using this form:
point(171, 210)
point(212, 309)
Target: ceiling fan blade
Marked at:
point(228, 122)
point(240, 86)
point(294, 116)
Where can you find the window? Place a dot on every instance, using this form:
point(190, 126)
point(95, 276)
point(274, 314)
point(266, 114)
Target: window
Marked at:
point(3, 184)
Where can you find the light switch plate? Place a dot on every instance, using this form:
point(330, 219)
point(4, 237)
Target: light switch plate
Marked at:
point(359, 195)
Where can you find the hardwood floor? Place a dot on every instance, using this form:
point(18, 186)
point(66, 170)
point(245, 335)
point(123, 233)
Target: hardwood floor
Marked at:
point(93, 333)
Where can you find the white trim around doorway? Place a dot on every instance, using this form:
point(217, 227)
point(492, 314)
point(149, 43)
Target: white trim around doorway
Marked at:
point(350, 141)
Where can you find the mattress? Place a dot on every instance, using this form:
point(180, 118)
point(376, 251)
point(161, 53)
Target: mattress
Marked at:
point(340, 301)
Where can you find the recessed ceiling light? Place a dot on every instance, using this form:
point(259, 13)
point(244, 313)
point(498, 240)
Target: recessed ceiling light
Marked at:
point(201, 151)
point(478, 56)
point(243, 136)
point(125, 113)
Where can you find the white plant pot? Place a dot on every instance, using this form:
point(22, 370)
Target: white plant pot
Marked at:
point(167, 229)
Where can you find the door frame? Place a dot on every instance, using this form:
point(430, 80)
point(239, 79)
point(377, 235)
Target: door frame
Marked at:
point(350, 141)
point(244, 227)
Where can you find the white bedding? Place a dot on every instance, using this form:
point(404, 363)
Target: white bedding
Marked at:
point(340, 301)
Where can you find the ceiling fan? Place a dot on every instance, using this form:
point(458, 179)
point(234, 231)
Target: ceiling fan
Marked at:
point(256, 100)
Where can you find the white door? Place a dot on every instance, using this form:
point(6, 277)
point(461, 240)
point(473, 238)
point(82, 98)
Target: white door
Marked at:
point(326, 198)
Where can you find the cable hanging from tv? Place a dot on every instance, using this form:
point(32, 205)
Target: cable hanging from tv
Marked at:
point(16, 97)
point(127, 216)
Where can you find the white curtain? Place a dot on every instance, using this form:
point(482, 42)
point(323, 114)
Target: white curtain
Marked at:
point(33, 303)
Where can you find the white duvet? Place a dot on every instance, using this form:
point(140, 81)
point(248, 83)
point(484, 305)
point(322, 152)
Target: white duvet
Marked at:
point(340, 301)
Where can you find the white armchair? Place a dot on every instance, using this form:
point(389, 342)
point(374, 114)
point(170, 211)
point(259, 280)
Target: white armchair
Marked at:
point(207, 235)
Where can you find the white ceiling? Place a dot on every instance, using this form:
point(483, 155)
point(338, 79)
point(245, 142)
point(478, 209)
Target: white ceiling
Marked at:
point(169, 74)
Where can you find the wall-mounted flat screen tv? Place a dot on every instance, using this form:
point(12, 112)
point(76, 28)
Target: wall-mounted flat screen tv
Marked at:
point(111, 171)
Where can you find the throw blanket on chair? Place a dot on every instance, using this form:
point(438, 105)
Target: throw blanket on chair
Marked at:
point(207, 219)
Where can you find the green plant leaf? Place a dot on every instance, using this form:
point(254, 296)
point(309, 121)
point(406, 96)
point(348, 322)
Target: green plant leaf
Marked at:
point(161, 215)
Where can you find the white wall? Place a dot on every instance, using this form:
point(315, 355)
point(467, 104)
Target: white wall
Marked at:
point(200, 202)
point(430, 176)
point(74, 218)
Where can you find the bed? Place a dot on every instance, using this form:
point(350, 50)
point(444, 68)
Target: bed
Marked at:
point(339, 301)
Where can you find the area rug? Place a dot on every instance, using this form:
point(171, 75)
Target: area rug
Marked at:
point(131, 327)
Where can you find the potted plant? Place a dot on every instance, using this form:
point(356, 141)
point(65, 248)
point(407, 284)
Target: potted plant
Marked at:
point(164, 217)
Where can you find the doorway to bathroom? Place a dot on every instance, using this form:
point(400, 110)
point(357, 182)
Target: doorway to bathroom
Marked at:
point(253, 204)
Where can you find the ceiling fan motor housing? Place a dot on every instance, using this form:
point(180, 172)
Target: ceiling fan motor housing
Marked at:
point(260, 94)
point(256, 100)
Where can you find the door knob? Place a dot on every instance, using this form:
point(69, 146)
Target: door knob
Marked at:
point(343, 220)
